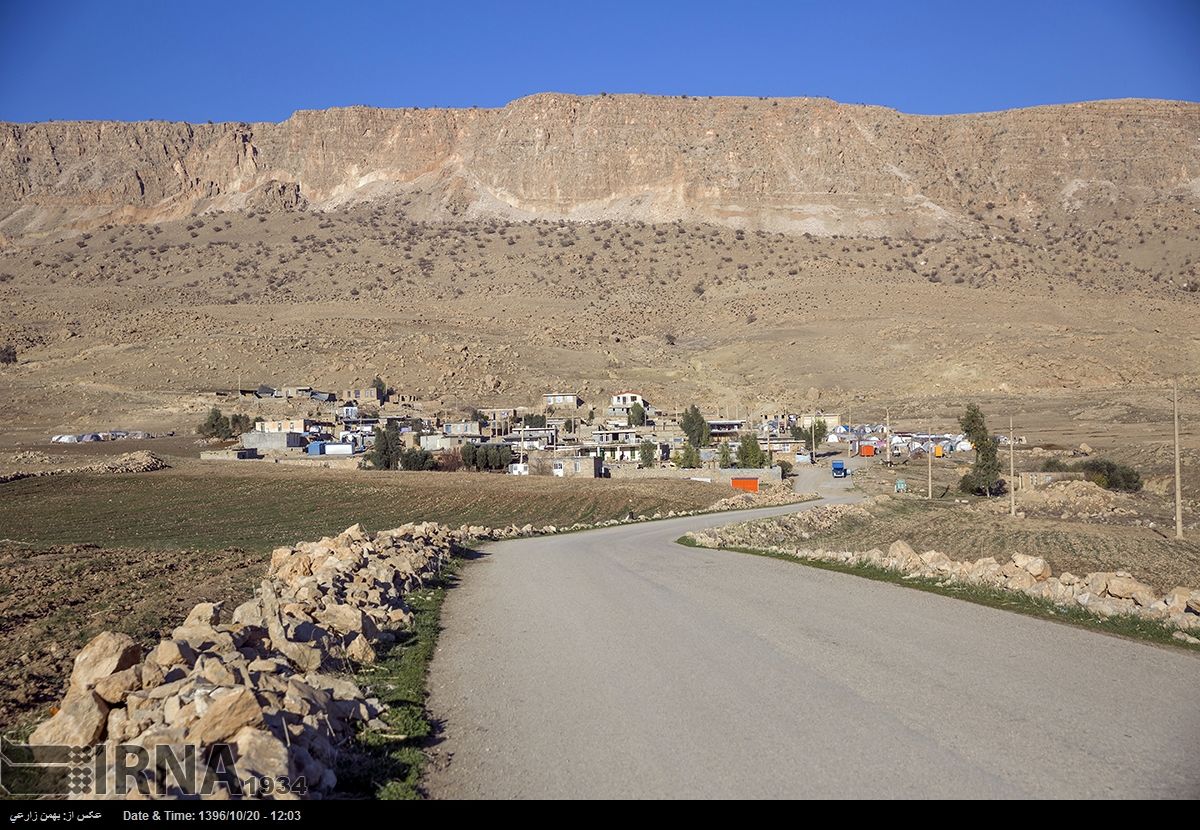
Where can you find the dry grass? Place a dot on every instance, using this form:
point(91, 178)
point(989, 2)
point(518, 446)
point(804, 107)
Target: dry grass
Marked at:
point(967, 534)
point(259, 506)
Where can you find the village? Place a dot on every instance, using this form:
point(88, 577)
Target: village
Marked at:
point(562, 435)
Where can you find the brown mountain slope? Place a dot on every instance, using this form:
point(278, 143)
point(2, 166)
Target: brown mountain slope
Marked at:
point(790, 165)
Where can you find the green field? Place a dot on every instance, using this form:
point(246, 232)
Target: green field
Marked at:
point(212, 507)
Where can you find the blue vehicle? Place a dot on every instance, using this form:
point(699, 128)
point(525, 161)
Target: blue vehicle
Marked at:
point(839, 469)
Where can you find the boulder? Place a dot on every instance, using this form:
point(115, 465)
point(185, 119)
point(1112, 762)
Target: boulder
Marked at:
point(249, 613)
point(361, 650)
point(226, 714)
point(107, 653)
point(1097, 583)
point(173, 653)
point(346, 619)
point(1035, 565)
point(1021, 580)
point(1126, 587)
point(204, 613)
point(305, 657)
point(1177, 599)
point(936, 560)
point(260, 755)
point(79, 721)
point(115, 687)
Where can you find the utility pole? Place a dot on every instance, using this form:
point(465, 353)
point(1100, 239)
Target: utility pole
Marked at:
point(887, 436)
point(929, 463)
point(1012, 470)
point(1178, 475)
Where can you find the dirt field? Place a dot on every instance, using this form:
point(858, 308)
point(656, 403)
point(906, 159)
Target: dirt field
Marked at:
point(258, 506)
point(965, 533)
point(53, 600)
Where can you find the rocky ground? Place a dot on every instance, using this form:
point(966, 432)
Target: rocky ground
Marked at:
point(965, 533)
point(1103, 594)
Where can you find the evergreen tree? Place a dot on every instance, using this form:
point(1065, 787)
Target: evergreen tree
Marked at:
point(215, 425)
point(385, 453)
point(695, 427)
point(816, 434)
point(648, 453)
point(468, 454)
point(725, 458)
point(637, 415)
point(749, 452)
point(689, 457)
point(984, 477)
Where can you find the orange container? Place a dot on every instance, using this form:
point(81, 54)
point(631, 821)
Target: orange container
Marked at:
point(866, 450)
point(750, 485)
point(938, 452)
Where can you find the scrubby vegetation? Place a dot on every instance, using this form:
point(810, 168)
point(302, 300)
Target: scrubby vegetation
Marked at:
point(1100, 471)
point(219, 425)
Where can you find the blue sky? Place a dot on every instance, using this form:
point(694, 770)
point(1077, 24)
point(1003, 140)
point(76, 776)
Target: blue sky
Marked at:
point(256, 61)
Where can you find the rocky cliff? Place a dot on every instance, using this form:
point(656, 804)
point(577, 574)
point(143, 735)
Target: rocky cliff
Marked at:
point(795, 165)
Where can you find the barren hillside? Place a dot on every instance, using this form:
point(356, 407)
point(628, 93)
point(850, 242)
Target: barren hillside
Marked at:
point(794, 165)
point(482, 257)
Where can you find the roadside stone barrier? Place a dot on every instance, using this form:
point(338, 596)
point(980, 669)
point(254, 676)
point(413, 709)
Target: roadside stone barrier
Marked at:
point(1105, 594)
point(267, 684)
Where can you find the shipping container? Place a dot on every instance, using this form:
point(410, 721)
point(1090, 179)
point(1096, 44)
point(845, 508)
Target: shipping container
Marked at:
point(750, 485)
point(866, 450)
point(339, 449)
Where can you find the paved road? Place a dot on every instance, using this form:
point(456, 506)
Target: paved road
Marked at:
point(616, 663)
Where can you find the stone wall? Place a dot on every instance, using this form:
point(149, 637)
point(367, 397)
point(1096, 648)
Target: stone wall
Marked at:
point(269, 682)
point(1104, 594)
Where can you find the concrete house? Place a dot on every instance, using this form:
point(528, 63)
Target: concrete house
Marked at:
point(562, 400)
point(369, 395)
point(469, 428)
point(621, 403)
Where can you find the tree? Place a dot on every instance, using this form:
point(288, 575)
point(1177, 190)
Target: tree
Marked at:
point(415, 459)
point(215, 425)
point(689, 457)
point(749, 453)
point(534, 420)
point(385, 453)
point(380, 387)
point(8, 353)
point(816, 433)
point(637, 415)
point(467, 453)
point(725, 458)
point(648, 453)
point(569, 425)
point(984, 477)
point(695, 427)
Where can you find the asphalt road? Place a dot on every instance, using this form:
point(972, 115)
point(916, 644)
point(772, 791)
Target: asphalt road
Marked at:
point(616, 663)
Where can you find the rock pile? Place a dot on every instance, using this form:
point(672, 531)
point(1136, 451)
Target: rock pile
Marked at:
point(130, 462)
point(1082, 500)
point(767, 497)
point(1105, 594)
point(266, 682)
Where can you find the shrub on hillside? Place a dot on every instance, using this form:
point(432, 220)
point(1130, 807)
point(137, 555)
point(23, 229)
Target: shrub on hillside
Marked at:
point(1111, 475)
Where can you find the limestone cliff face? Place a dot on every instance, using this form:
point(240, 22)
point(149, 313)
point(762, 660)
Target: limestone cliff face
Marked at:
point(793, 165)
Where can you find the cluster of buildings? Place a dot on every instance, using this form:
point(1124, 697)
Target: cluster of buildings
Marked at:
point(562, 436)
